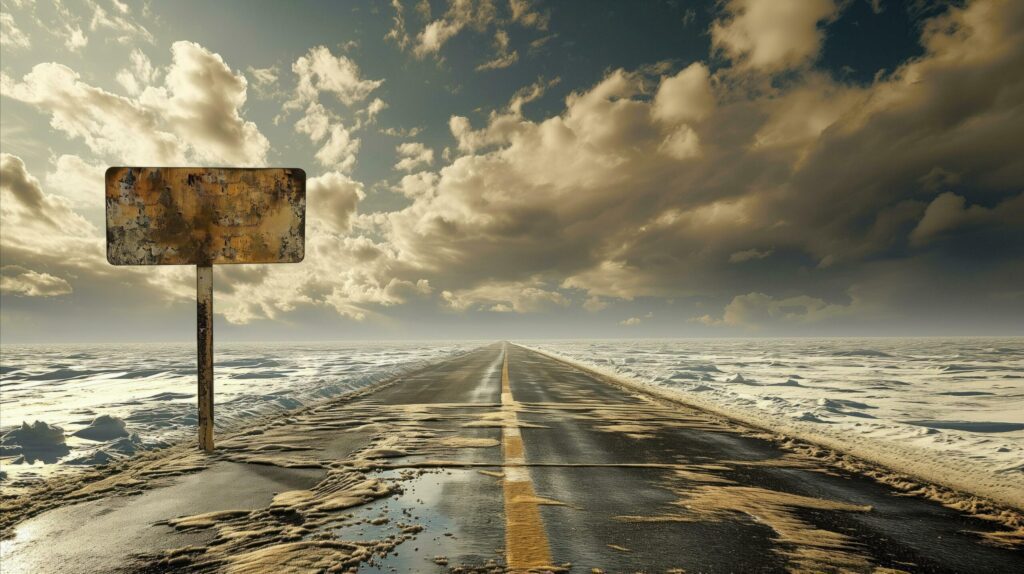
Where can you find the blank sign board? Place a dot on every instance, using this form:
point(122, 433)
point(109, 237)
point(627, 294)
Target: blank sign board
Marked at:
point(205, 216)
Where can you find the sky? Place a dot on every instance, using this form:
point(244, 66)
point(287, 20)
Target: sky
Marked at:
point(526, 169)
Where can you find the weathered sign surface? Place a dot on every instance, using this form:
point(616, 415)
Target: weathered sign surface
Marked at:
point(205, 216)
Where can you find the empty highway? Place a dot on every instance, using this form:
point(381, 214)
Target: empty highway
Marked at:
point(500, 459)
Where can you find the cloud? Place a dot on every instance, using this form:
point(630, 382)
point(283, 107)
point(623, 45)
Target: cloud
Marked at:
point(339, 152)
point(108, 124)
point(772, 36)
point(120, 23)
point(397, 33)
point(12, 37)
point(710, 168)
point(657, 182)
point(949, 212)
point(78, 180)
point(15, 280)
point(193, 116)
point(504, 56)
point(529, 296)
point(264, 80)
point(479, 15)
point(201, 99)
point(413, 155)
point(434, 35)
point(595, 304)
point(630, 322)
point(321, 71)
point(315, 123)
point(48, 249)
point(530, 93)
point(402, 132)
point(686, 97)
point(370, 112)
point(74, 38)
point(68, 26)
point(755, 311)
point(749, 255)
point(139, 75)
point(525, 13)
point(333, 198)
point(26, 197)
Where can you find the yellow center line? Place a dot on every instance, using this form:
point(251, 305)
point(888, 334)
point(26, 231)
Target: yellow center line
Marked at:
point(526, 543)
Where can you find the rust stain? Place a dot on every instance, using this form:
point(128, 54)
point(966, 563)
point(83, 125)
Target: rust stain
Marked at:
point(205, 216)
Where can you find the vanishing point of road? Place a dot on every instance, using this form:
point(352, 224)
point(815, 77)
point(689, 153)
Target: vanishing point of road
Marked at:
point(505, 459)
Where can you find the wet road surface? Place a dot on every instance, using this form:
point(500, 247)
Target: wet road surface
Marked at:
point(504, 459)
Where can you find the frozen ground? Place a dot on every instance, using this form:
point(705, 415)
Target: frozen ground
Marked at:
point(108, 401)
point(947, 410)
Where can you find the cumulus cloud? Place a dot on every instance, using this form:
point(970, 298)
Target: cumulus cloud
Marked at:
point(531, 296)
point(413, 155)
point(657, 182)
point(194, 115)
point(754, 311)
point(634, 321)
point(339, 152)
point(710, 170)
point(315, 123)
point(685, 97)
point(201, 99)
point(369, 113)
point(477, 15)
point(15, 280)
point(109, 124)
point(48, 249)
point(78, 180)
point(139, 74)
point(321, 71)
point(333, 198)
point(949, 212)
point(772, 36)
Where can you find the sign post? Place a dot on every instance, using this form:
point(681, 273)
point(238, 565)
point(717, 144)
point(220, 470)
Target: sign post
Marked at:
point(204, 338)
point(205, 217)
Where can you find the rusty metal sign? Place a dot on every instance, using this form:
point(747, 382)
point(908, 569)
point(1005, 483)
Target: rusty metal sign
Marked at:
point(204, 216)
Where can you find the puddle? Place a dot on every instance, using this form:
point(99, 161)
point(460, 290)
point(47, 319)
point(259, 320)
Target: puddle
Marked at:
point(450, 513)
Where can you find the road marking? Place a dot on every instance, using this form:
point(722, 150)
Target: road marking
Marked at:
point(526, 543)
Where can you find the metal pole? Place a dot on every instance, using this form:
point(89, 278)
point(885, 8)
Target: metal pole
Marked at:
point(204, 334)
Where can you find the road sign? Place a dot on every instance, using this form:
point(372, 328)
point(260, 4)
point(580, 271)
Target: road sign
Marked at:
point(205, 216)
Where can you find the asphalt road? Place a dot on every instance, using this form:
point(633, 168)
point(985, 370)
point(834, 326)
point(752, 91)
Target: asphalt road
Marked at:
point(510, 460)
